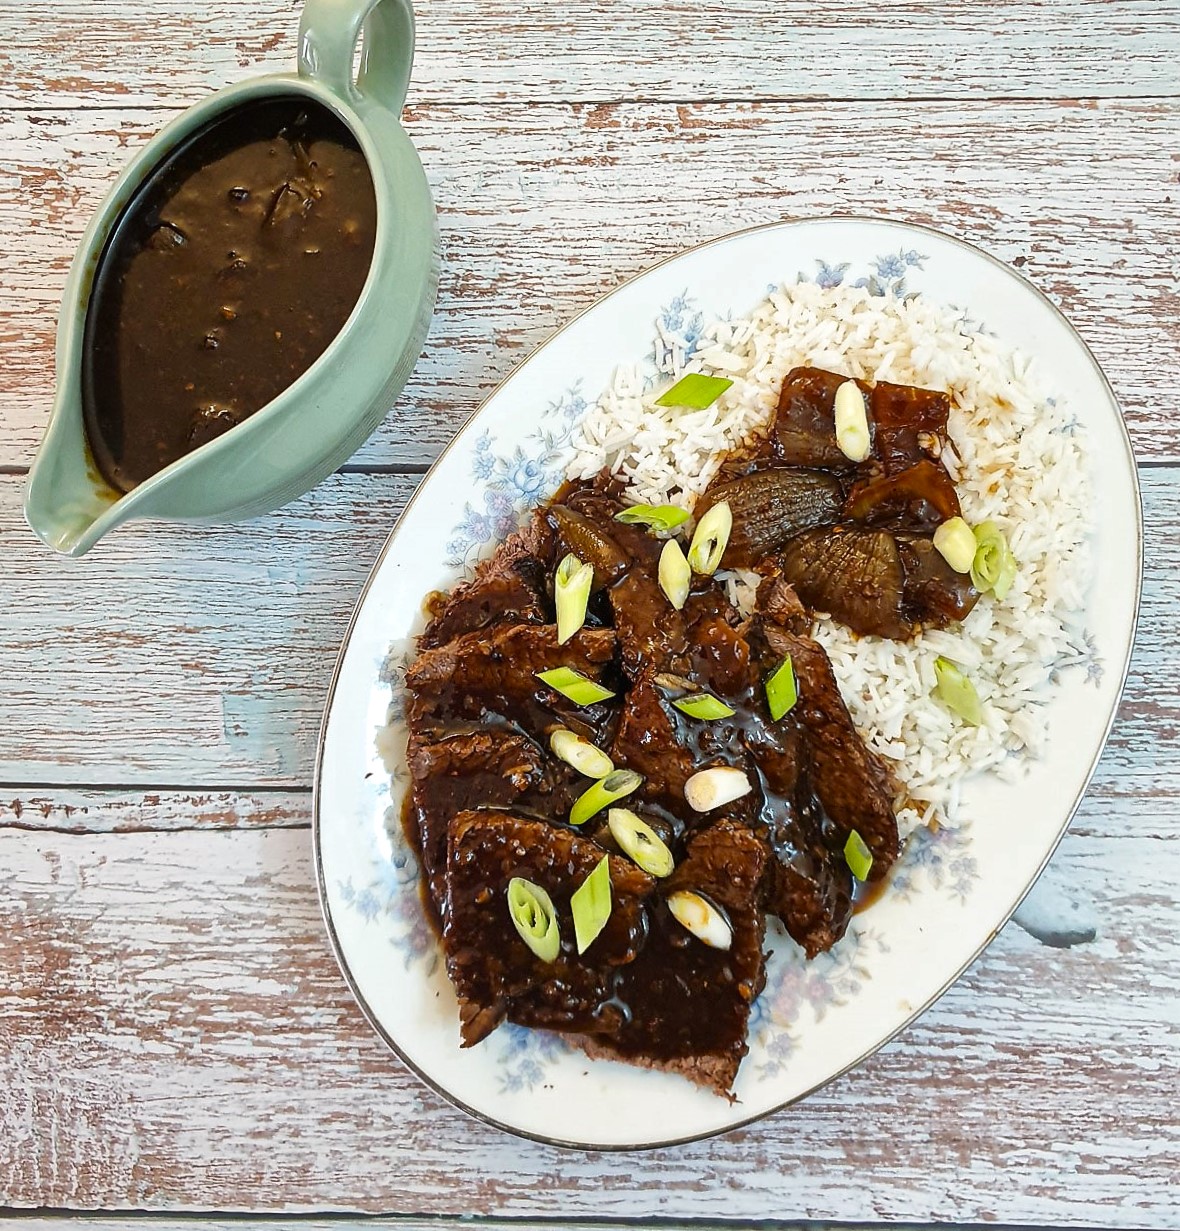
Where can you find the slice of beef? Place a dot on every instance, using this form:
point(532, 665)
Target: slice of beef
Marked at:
point(804, 431)
point(496, 975)
point(490, 678)
point(509, 587)
point(777, 601)
point(646, 741)
point(852, 782)
point(689, 1004)
point(463, 771)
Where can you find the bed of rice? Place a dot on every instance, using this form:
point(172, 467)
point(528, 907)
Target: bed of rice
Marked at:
point(1017, 460)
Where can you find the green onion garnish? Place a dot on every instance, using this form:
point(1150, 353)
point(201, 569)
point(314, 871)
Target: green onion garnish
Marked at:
point(957, 692)
point(695, 391)
point(640, 843)
point(574, 686)
point(590, 904)
point(781, 690)
point(955, 542)
point(571, 594)
point(674, 574)
point(703, 705)
point(533, 916)
point(710, 539)
point(994, 566)
point(580, 753)
point(858, 856)
point(604, 793)
point(657, 516)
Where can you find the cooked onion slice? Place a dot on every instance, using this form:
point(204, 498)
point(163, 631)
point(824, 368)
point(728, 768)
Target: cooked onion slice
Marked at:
point(533, 916)
point(704, 920)
point(713, 788)
point(580, 754)
point(640, 843)
point(606, 791)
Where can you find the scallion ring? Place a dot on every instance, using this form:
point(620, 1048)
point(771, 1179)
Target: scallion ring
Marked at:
point(957, 692)
point(711, 538)
point(657, 516)
point(782, 691)
point(574, 686)
point(994, 565)
point(571, 595)
point(591, 905)
point(857, 856)
point(533, 916)
point(640, 843)
point(603, 793)
point(704, 706)
point(694, 391)
point(580, 754)
point(955, 542)
point(674, 574)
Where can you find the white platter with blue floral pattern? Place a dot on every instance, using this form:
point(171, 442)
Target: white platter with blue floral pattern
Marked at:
point(951, 891)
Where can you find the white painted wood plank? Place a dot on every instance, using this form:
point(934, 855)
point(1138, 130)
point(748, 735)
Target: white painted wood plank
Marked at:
point(482, 51)
point(545, 208)
point(200, 656)
point(174, 1036)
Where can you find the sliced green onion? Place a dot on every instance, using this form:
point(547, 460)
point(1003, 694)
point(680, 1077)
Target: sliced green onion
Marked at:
point(957, 692)
point(696, 391)
point(591, 904)
point(657, 516)
point(781, 689)
point(711, 538)
point(640, 843)
point(674, 574)
point(580, 754)
point(704, 920)
point(604, 793)
point(534, 918)
point(574, 686)
point(955, 542)
point(571, 594)
point(994, 566)
point(703, 705)
point(858, 856)
point(852, 422)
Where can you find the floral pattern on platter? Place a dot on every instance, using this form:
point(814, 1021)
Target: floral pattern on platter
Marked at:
point(506, 485)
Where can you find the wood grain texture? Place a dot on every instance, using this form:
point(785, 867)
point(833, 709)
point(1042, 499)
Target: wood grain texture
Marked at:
point(137, 52)
point(174, 1035)
point(545, 208)
point(200, 656)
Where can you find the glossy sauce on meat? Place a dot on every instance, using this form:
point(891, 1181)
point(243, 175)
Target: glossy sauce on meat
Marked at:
point(228, 274)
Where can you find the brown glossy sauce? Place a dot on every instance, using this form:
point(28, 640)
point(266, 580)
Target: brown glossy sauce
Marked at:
point(229, 273)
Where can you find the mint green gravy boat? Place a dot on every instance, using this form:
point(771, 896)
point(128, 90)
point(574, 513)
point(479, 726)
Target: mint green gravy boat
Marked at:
point(321, 419)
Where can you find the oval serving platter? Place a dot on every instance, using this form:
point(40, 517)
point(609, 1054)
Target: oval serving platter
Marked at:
point(952, 890)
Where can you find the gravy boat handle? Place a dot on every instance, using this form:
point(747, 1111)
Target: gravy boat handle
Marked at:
point(329, 31)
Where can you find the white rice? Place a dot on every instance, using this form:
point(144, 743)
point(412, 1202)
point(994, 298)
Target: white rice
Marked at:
point(1019, 463)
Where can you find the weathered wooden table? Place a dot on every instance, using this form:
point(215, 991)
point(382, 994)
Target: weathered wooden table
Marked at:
point(174, 1034)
